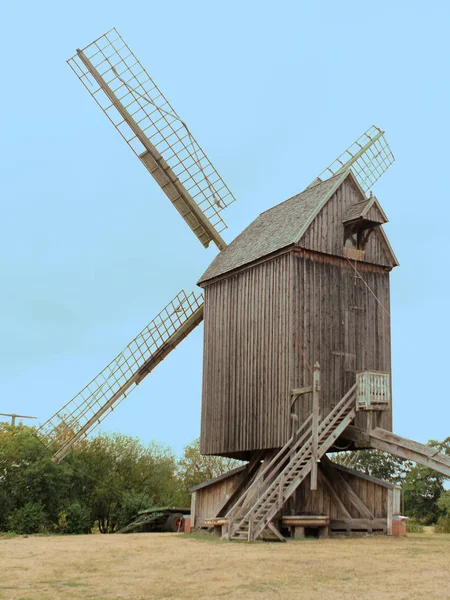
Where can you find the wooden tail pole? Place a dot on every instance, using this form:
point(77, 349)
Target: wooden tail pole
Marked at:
point(315, 425)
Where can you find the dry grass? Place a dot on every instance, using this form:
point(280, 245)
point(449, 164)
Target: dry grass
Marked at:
point(160, 566)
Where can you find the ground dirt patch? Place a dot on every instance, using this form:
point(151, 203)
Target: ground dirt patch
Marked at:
point(171, 566)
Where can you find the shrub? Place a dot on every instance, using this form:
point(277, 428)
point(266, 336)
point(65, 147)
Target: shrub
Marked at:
point(30, 518)
point(413, 526)
point(75, 519)
point(131, 503)
point(442, 525)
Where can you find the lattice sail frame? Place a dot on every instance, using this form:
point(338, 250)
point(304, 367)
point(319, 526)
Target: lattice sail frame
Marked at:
point(121, 376)
point(369, 157)
point(144, 102)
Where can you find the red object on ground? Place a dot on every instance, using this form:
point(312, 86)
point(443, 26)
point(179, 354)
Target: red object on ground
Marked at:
point(399, 526)
point(187, 524)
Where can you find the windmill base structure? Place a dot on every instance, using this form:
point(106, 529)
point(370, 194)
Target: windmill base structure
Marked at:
point(297, 342)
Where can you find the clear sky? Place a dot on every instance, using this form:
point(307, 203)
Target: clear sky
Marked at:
point(91, 250)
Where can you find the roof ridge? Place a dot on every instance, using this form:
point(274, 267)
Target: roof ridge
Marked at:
point(276, 228)
point(304, 191)
point(342, 176)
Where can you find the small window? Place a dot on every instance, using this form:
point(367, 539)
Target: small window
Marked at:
point(355, 239)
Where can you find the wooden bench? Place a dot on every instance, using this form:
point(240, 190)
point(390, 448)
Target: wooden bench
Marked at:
point(298, 524)
point(220, 525)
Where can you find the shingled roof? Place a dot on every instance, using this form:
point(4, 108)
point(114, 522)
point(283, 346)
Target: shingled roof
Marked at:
point(369, 209)
point(274, 229)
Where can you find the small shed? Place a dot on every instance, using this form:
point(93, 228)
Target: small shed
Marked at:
point(350, 501)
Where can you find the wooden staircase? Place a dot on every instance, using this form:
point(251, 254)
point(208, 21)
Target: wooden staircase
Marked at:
point(252, 514)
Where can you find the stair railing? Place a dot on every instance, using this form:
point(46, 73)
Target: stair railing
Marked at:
point(326, 429)
point(268, 473)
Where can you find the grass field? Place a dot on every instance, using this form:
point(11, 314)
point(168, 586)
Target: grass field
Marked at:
point(160, 566)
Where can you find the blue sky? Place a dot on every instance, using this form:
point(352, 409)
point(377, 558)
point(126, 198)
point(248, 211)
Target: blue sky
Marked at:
point(91, 250)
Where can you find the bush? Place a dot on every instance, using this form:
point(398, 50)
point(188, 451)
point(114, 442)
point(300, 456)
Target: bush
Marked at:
point(413, 526)
point(442, 525)
point(130, 504)
point(30, 518)
point(75, 519)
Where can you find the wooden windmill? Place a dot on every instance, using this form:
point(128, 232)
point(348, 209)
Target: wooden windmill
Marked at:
point(297, 328)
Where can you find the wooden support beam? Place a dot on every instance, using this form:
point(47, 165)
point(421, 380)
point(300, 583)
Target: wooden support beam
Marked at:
point(193, 508)
point(297, 392)
point(276, 533)
point(410, 450)
point(315, 425)
point(297, 531)
point(344, 489)
point(360, 437)
point(334, 494)
point(243, 480)
point(390, 511)
point(358, 524)
point(300, 391)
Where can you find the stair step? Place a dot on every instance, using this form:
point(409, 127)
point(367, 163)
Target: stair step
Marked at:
point(266, 507)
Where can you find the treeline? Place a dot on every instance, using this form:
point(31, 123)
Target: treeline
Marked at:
point(100, 486)
point(107, 479)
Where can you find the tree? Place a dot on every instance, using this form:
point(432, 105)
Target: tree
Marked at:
point(28, 477)
point(195, 468)
point(103, 481)
point(444, 504)
point(117, 476)
point(424, 487)
point(379, 464)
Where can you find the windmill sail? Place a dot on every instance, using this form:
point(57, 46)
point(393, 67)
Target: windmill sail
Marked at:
point(157, 135)
point(369, 157)
point(90, 406)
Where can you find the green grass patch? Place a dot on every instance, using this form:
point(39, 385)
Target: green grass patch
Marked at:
point(413, 526)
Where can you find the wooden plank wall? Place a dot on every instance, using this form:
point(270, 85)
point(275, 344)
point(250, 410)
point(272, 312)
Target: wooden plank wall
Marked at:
point(340, 323)
point(326, 233)
point(319, 502)
point(266, 323)
point(209, 499)
point(245, 395)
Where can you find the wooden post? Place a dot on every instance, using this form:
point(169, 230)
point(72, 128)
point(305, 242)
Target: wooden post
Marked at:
point(315, 425)
point(280, 492)
point(298, 531)
point(193, 507)
point(390, 506)
point(14, 416)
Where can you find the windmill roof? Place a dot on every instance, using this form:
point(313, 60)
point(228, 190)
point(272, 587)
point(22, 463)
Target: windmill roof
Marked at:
point(274, 229)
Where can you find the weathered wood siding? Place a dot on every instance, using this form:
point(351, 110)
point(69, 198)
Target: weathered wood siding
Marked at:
point(305, 502)
point(208, 500)
point(266, 325)
point(338, 322)
point(374, 495)
point(245, 396)
point(326, 233)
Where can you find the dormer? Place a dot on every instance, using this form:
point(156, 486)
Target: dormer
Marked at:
point(360, 220)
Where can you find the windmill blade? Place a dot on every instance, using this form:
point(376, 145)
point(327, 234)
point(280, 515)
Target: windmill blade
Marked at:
point(90, 406)
point(369, 157)
point(139, 111)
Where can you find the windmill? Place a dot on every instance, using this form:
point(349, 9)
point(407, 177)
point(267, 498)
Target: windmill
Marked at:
point(307, 283)
point(163, 142)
